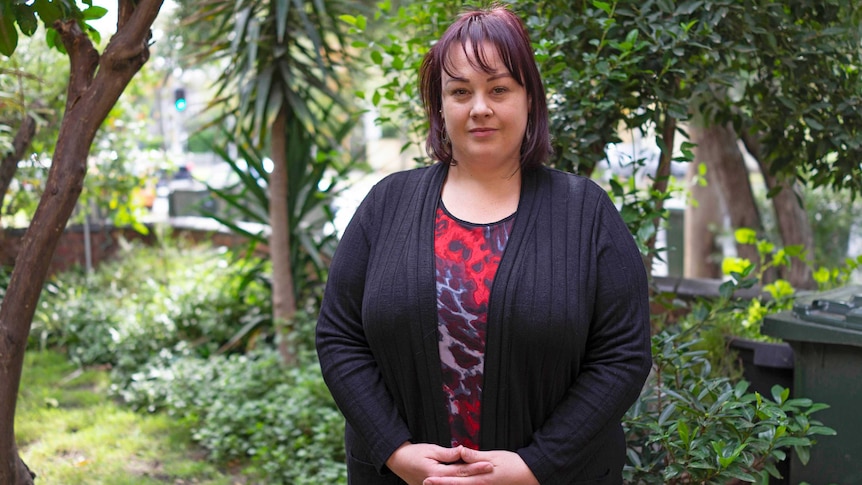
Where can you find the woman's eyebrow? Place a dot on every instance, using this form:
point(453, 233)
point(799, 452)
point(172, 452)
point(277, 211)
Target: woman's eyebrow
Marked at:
point(499, 75)
point(456, 79)
point(492, 77)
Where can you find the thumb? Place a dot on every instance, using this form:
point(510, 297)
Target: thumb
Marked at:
point(469, 455)
point(448, 455)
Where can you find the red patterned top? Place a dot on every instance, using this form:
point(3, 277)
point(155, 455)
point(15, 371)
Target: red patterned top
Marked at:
point(467, 257)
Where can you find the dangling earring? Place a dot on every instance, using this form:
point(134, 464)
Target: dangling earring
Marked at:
point(444, 137)
point(528, 131)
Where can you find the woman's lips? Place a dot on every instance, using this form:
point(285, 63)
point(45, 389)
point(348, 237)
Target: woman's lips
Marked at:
point(482, 131)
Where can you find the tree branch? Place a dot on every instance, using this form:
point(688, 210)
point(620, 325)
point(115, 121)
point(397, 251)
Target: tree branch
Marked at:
point(83, 59)
point(134, 21)
point(9, 165)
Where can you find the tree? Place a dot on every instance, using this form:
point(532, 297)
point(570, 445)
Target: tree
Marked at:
point(784, 78)
point(96, 81)
point(280, 61)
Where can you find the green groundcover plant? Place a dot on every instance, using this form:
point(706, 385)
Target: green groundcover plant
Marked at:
point(186, 331)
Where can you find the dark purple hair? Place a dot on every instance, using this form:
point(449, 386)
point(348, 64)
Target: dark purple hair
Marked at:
point(498, 28)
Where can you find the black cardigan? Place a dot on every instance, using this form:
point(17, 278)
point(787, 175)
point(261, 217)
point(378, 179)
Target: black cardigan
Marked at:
point(568, 329)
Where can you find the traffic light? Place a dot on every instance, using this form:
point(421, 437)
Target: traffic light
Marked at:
point(180, 102)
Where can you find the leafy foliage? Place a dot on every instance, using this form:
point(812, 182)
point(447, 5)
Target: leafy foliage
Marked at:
point(250, 408)
point(164, 319)
point(750, 63)
point(691, 427)
point(398, 37)
point(25, 16)
point(123, 155)
point(280, 53)
point(163, 302)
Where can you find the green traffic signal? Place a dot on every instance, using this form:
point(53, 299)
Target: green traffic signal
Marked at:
point(180, 102)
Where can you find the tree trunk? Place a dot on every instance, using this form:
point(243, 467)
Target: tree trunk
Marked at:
point(660, 184)
point(717, 147)
point(95, 84)
point(704, 220)
point(791, 218)
point(283, 299)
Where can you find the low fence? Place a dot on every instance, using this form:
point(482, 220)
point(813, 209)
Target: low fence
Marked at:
point(83, 246)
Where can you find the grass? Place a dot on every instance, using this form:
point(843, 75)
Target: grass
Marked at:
point(68, 431)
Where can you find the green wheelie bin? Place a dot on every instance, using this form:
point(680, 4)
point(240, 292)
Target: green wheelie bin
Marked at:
point(825, 331)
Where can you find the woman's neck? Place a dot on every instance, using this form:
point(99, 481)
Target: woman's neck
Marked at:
point(482, 196)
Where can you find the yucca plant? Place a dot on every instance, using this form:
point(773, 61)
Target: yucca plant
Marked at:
point(312, 189)
point(281, 63)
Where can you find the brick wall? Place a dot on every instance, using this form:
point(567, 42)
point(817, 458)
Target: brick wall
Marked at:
point(105, 241)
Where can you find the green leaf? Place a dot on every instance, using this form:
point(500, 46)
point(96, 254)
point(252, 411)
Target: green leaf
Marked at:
point(726, 289)
point(95, 12)
point(616, 188)
point(812, 123)
point(282, 9)
point(802, 402)
point(8, 35)
point(606, 7)
point(770, 468)
point(52, 38)
point(350, 19)
point(684, 432)
point(745, 235)
point(822, 430)
point(666, 413)
point(803, 453)
point(741, 475)
point(688, 8)
point(48, 11)
point(27, 21)
point(377, 57)
point(94, 34)
point(780, 394)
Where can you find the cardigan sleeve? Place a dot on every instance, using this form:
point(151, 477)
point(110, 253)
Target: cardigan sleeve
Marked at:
point(348, 364)
point(617, 356)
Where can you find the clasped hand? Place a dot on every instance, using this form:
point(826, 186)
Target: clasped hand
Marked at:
point(427, 464)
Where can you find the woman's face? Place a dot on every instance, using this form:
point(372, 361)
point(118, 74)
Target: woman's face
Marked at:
point(485, 114)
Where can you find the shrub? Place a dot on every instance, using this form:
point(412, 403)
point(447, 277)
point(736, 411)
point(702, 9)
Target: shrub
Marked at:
point(695, 420)
point(688, 426)
point(250, 408)
point(151, 301)
point(187, 331)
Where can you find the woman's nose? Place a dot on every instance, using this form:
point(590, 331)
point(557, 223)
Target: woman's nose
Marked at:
point(480, 108)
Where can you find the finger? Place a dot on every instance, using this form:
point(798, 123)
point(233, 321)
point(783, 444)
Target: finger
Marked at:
point(457, 474)
point(467, 469)
point(447, 455)
point(463, 470)
point(478, 468)
point(469, 455)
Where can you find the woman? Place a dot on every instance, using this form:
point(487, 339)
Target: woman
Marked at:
point(485, 318)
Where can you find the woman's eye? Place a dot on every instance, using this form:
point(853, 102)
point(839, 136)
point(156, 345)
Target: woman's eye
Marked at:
point(459, 92)
point(500, 90)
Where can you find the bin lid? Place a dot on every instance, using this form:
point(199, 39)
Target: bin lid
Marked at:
point(833, 316)
point(839, 308)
